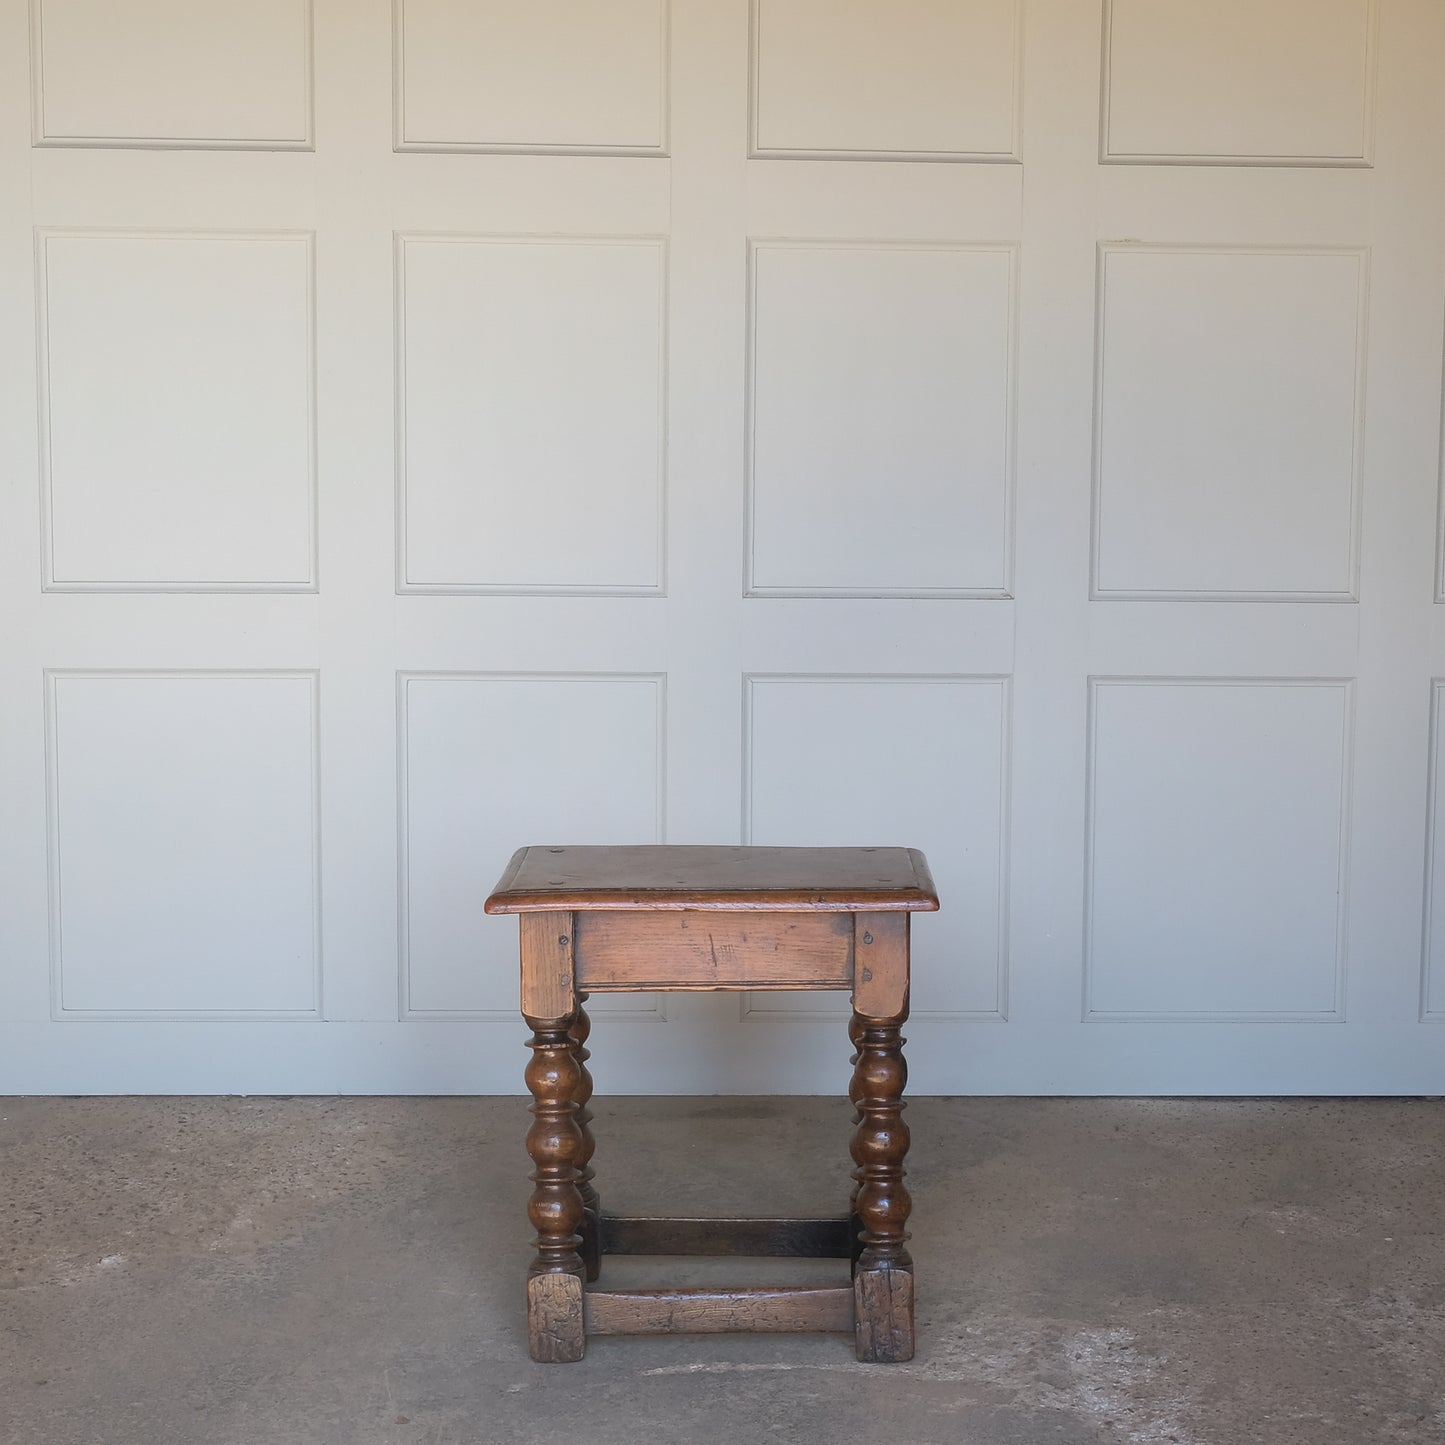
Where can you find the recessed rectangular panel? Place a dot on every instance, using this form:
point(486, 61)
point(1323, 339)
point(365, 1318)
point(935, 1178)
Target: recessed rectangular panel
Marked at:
point(230, 73)
point(491, 763)
point(551, 75)
point(184, 863)
point(1432, 992)
point(1440, 503)
point(177, 411)
point(1237, 82)
point(1228, 430)
point(918, 762)
point(1218, 816)
point(709, 950)
point(531, 374)
point(881, 419)
point(907, 80)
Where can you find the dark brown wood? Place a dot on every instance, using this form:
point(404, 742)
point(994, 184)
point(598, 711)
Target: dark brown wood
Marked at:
point(554, 1142)
point(882, 1279)
point(880, 1142)
point(784, 1237)
point(700, 1311)
point(742, 879)
point(590, 1249)
point(707, 951)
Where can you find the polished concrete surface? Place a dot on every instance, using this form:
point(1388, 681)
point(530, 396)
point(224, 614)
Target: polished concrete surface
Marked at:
point(348, 1272)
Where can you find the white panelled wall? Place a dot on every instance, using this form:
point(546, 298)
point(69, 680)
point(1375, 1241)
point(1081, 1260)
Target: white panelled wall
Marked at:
point(1010, 428)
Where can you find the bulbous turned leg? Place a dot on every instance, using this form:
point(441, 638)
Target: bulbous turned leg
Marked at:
point(883, 1278)
point(591, 1204)
point(555, 1325)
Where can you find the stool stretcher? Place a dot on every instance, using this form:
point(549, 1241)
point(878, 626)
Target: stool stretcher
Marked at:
point(766, 1309)
point(801, 1238)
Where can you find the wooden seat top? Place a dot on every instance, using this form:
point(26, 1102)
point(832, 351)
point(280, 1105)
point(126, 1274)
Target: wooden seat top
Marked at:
point(745, 879)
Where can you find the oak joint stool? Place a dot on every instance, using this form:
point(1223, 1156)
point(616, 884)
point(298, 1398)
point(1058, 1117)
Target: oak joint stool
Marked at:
point(629, 919)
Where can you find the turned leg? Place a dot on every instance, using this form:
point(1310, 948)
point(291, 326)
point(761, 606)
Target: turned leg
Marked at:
point(555, 1326)
point(591, 1205)
point(883, 1278)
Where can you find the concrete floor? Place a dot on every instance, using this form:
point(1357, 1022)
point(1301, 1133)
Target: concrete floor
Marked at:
point(319, 1271)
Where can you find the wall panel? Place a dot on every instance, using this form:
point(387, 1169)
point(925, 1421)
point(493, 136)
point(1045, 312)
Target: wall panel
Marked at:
point(1218, 843)
point(184, 844)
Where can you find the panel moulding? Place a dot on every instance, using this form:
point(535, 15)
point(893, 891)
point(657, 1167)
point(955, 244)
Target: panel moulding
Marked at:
point(503, 589)
point(1364, 159)
point(41, 138)
point(49, 582)
point(1432, 1007)
point(403, 144)
point(1012, 156)
point(1336, 1014)
point(917, 594)
point(58, 1012)
point(1348, 594)
point(1440, 498)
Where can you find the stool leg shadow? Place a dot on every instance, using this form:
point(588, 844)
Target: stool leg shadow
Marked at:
point(855, 1224)
point(591, 1249)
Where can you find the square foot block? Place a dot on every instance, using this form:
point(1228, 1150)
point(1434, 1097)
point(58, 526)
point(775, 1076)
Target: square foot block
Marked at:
point(883, 1314)
point(556, 1329)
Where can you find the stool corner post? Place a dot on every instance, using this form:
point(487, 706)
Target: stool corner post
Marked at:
point(549, 971)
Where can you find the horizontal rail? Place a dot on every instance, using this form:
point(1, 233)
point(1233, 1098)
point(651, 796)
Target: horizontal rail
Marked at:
point(771, 1310)
point(778, 1237)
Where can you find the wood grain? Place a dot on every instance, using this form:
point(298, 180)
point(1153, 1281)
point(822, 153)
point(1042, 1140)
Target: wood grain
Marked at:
point(748, 879)
point(880, 954)
point(711, 1312)
point(883, 1314)
point(706, 950)
point(556, 1325)
point(549, 986)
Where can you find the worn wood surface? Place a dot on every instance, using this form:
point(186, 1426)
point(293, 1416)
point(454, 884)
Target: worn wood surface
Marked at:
point(880, 964)
point(706, 950)
point(840, 880)
point(556, 1325)
point(549, 989)
point(883, 1314)
point(782, 1237)
point(703, 1311)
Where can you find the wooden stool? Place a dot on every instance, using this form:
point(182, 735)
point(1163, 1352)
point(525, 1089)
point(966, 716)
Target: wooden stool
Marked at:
point(622, 920)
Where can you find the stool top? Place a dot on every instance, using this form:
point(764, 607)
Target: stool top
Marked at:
point(745, 879)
